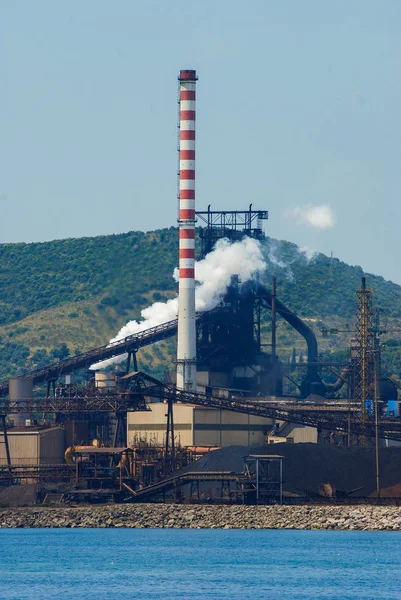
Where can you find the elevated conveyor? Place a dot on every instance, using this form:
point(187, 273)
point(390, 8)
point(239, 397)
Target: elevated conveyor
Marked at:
point(313, 416)
point(86, 359)
point(177, 481)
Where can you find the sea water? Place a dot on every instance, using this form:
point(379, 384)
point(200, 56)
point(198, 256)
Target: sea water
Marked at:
point(100, 564)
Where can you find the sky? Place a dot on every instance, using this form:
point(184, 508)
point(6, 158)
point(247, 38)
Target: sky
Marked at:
point(298, 113)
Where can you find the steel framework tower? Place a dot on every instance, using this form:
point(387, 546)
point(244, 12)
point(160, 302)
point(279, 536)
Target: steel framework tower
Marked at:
point(186, 342)
point(364, 347)
point(231, 224)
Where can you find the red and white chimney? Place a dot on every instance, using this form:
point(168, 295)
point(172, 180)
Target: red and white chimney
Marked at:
point(186, 343)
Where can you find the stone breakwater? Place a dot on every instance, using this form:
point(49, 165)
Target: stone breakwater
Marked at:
point(206, 517)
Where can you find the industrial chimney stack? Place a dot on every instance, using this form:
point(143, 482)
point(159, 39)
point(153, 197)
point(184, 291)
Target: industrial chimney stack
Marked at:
point(186, 344)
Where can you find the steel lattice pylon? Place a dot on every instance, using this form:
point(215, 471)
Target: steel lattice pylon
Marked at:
point(364, 347)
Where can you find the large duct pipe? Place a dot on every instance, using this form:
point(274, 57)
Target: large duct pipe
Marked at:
point(307, 333)
point(312, 375)
point(341, 380)
point(186, 341)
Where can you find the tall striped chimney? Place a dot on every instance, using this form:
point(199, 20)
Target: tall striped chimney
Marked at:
point(186, 343)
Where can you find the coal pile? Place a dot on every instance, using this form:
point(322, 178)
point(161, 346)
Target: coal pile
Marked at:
point(307, 466)
point(19, 495)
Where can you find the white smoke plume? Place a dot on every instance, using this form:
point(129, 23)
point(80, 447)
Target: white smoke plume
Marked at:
point(273, 256)
point(308, 253)
point(317, 216)
point(213, 275)
point(283, 256)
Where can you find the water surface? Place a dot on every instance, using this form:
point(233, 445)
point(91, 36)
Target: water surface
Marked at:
point(100, 564)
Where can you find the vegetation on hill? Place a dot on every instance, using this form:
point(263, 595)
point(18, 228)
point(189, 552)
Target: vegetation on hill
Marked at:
point(116, 269)
point(323, 286)
point(66, 296)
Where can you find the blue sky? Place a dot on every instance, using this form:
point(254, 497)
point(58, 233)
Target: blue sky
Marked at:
point(298, 104)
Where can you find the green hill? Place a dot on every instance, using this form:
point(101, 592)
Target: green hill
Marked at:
point(67, 296)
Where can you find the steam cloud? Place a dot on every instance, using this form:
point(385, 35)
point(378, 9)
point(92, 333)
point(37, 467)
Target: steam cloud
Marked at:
point(309, 253)
point(213, 274)
point(277, 261)
point(320, 217)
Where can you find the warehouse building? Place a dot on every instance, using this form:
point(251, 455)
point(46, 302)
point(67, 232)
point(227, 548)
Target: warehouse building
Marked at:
point(201, 426)
point(33, 446)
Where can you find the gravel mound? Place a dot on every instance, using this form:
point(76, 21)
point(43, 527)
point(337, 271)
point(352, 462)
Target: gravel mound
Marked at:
point(206, 517)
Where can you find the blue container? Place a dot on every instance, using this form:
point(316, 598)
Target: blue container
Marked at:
point(392, 408)
point(369, 407)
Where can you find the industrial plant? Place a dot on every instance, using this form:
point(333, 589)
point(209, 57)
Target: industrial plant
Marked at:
point(115, 433)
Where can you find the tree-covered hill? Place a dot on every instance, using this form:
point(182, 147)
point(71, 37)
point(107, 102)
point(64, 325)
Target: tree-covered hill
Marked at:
point(323, 286)
point(117, 269)
point(67, 296)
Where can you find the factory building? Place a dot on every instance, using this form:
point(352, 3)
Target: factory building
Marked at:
point(34, 446)
point(201, 426)
point(295, 434)
point(198, 426)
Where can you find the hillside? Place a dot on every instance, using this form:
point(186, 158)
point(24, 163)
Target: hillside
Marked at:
point(66, 296)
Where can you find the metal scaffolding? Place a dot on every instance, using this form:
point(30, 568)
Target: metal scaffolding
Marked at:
point(266, 470)
point(231, 224)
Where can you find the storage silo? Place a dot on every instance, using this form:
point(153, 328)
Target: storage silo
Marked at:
point(20, 390)
point(105, 381)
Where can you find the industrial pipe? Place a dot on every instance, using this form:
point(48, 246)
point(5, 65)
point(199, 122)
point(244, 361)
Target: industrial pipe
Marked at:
point(312, 376)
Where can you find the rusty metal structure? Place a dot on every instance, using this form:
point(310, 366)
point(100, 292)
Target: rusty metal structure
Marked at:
point(231, 486)
point(266, 470)
point(98, 474)
point(364, 348)
point(330, 416)
point(148, 471)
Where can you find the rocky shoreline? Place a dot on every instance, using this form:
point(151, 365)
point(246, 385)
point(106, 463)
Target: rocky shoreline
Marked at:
point(361, 517)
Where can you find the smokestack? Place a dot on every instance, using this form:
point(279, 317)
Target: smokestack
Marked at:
point(186, 343)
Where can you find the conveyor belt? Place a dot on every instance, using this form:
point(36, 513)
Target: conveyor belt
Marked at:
point(178, 480)
point(322, 419)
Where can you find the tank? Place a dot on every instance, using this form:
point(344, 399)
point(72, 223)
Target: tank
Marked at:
point(105, 381)
point(20, 389)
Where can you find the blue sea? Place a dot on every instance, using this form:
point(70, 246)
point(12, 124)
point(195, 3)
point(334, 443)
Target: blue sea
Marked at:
point(100, 564)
